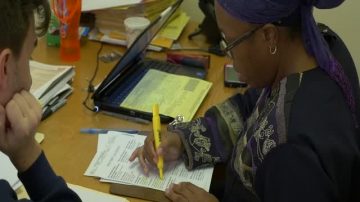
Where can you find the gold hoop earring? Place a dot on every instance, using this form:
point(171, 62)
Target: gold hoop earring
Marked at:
point(273, 50)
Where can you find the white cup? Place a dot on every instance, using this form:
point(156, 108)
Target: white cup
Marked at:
point(134, 26)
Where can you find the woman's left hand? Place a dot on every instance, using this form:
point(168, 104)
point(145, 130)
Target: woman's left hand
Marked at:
point(185, 191)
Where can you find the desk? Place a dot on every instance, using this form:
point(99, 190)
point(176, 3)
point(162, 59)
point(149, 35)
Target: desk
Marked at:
point(70, 152)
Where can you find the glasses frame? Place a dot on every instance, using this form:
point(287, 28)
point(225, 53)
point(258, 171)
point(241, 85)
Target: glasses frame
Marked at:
point(242, 38)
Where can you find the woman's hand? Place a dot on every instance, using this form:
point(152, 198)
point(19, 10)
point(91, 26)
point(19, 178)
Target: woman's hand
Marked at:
point(170, 148)
point(187, 192)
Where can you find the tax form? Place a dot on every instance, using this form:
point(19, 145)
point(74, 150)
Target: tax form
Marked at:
point(111, 164)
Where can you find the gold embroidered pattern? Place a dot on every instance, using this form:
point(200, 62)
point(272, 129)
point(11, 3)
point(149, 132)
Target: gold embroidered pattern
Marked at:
point(201, 144)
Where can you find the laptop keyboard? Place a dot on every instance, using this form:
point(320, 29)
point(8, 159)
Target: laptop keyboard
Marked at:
point(162, 66)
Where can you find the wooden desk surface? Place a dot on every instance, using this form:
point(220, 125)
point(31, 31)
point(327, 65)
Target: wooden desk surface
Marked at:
point(70, 152)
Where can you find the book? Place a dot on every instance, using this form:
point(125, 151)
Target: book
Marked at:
point(51, 83)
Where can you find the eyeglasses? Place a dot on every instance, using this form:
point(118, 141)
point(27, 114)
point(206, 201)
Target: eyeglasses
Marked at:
point(242, 38)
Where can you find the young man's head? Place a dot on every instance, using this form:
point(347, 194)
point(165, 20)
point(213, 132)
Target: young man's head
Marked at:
point(18, 37)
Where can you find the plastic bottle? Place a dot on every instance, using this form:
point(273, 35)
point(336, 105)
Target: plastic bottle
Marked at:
point(68, 13)
point(53, 33)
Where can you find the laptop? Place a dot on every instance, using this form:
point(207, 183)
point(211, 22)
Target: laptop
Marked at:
point(132, 67)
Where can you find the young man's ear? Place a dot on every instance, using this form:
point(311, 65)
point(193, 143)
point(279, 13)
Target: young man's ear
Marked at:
point(4, 65)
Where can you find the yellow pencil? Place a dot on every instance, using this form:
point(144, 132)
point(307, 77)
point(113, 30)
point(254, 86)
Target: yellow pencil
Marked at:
point(157, 134)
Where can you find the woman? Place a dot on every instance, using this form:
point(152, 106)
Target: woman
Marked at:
point(297, 139)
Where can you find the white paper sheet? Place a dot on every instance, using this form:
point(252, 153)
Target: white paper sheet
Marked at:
point(8, 171)
point(111, 164)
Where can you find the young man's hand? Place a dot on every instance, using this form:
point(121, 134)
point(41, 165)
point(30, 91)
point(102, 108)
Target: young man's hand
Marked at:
point(18, 122)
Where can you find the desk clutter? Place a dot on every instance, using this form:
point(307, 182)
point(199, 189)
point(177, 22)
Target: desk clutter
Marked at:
point(110, 28)
point(51, 85)
point(136, 82)
point(111, 164)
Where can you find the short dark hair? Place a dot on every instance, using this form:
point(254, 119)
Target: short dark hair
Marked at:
point(15, 21)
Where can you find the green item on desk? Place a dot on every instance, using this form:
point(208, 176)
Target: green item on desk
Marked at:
point(53, 33)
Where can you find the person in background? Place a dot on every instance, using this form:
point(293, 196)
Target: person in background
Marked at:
point(20, 112)
point(295, 139)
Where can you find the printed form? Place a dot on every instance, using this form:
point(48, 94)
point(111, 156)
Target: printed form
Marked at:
point(111, 164)
point(175, 94)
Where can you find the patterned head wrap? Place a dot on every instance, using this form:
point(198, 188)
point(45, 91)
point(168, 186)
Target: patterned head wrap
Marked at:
point(291, 13)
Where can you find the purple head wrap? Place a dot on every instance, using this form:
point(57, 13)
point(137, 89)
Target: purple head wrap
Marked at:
point(292, 12)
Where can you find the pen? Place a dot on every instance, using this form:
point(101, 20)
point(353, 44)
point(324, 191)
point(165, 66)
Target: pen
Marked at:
point(105, 130)
point(157, 134)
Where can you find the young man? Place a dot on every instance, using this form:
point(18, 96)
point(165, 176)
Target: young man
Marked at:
point(20, 112)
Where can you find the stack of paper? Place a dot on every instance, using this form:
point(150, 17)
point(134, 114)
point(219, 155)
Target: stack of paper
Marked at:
point(51, 85)
point(111, 164)
point(110, 27)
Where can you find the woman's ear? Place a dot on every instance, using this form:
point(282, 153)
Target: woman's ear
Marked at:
point(4, 65)
point(271, 35)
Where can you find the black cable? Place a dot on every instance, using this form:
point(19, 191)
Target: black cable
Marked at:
point(91, 87)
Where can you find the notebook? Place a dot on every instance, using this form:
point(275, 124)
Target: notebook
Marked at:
point(133, 67)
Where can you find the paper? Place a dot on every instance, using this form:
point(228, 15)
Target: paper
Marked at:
point(43, 75)
point(113, 39)
point(175, 94)
point(89, 5)
point(49, 80)
point(111, 165)
point(9, 172)
point(173, 29)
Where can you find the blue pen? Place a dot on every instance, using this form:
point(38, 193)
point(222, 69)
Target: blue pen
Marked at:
point(105, 130)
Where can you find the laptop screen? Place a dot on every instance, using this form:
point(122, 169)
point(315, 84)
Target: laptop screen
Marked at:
point(138, 47)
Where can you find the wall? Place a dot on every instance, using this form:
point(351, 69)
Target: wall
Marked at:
point(345, 20)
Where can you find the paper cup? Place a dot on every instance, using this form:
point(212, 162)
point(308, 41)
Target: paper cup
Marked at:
point(134, 26)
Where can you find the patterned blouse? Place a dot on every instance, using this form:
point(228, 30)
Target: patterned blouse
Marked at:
point(245, 128)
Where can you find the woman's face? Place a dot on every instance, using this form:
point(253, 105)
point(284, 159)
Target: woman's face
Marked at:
point(252, 58)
